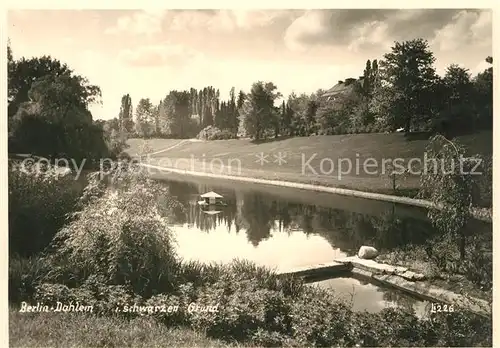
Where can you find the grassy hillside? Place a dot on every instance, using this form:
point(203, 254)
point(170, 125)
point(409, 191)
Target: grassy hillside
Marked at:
point(240, 157)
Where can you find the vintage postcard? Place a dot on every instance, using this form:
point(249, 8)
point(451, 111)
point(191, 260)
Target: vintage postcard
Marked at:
point(250, 177)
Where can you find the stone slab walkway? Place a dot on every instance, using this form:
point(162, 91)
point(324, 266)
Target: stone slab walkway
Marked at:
point(394, 276)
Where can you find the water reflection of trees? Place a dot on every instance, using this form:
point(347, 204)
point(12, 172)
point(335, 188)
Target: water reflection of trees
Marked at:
point(261, 214)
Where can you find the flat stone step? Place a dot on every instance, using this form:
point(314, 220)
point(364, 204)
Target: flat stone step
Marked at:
point(393, 276)
point(374, 266)
point(426, 291)
point(330, 268)
point(434, 293)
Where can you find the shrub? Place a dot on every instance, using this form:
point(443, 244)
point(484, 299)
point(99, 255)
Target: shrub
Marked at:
point(39, 203)
point(214, 133)
point(104, 299)
point(457, 191)
point(120, 236)
point(116, 146)
point(225, 134)
point(24, 275)
point(175, 307)
point(241, 309)
point(251, 308)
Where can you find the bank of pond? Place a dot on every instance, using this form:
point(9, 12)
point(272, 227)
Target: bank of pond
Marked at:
point(284, 229)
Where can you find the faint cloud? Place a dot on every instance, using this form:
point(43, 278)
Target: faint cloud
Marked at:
point(307, 29)
point(375, 29)
point(369, 35)
point(147, 22)
point(480, 67)
point(467, 27)
point(186, 20)
point(158, 55)
point(223, 20)
point(250, 19)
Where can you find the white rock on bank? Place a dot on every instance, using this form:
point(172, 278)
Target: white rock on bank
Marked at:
point(367, 252)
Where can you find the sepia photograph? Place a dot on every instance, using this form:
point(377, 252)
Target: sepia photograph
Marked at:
point(250, 177)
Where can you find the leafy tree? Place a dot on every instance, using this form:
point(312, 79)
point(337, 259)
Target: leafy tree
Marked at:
point(457, 101)
point(297, 114)
point(193, 93)
point(144, 114)
point(221, 117)
point(156, 119)
point(239, 106)
point(336, 116)
point(310, 116)
point(258, 109)
point(448, 184)
point(10, 74)
point(233, 117)
point(285, 121)
point(10, 58)
point(483, 86)
point(175, 119)
point(367, 77)
point(407, 77)
point(49, 113)
point(241, 99)
point(24, 73)
point(112, 125)
point(125, 116)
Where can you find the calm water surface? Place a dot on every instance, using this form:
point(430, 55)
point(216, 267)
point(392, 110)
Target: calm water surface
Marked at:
point(285, 228)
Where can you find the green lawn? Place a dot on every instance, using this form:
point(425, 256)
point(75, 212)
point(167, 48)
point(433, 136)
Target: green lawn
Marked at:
point(87, 330)
point(239, 157)
point(136, 145)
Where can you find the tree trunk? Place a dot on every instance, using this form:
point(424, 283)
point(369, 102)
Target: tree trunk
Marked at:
point(408, 125)
point(462, 246)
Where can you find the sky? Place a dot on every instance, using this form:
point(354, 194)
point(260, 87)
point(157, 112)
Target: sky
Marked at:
point(147, 53)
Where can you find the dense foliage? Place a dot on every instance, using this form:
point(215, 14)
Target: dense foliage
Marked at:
point(454, 189)
point(400, 91)
point(214, 133)
point(39, 204)
point(48, 112)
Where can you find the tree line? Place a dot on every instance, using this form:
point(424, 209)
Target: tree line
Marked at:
point(400, 91)
point(180, 114)
point(48, 106)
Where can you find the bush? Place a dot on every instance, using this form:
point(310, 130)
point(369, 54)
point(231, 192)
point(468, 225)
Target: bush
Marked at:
point(214, 133)
point(39, 204)
point(120, 236)
point(252, 310)
point(104, 299)
point(255, 306)
point(24, 275)
point(243, 308)
point(116, 146)
point(176, 309)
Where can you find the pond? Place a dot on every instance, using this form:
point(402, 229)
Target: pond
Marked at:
point(284, 228)
point(363, 295)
